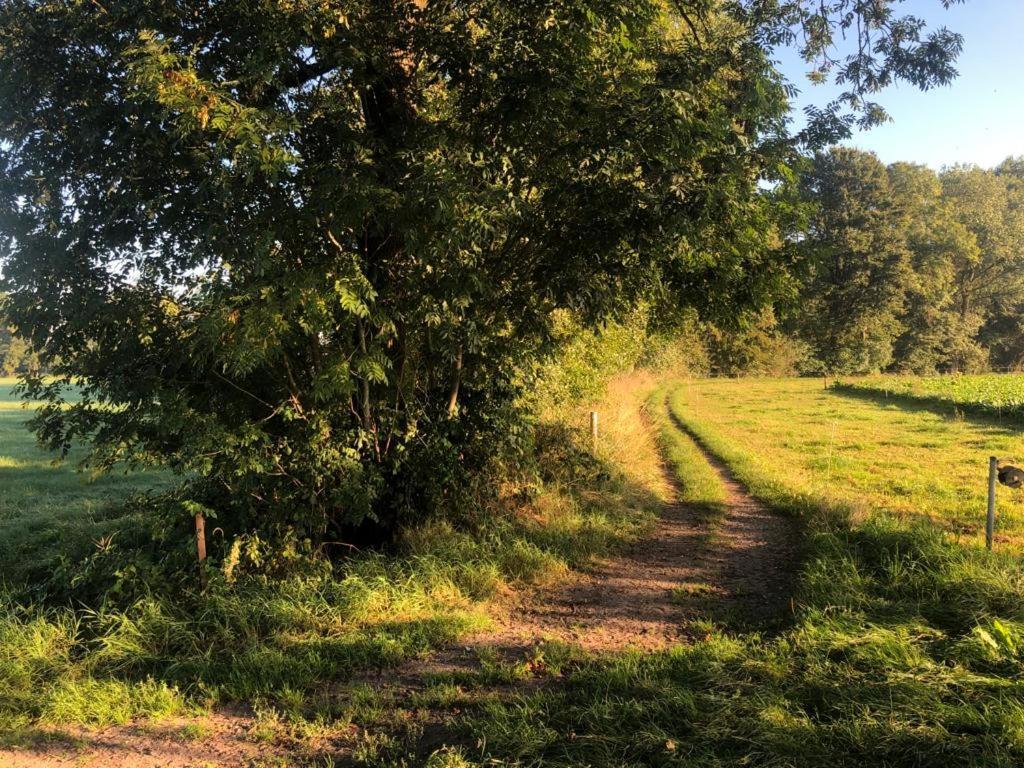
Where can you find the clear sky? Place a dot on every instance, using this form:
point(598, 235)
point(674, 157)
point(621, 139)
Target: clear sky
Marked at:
point(978, 119)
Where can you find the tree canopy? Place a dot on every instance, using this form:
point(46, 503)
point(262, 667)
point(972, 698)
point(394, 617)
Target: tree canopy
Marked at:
point(908, 269)
point(858, 262)
point(302, 251)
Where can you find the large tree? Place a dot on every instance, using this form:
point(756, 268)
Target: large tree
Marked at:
point(856, 260)
point(300, 249)
point(989, 269)
point(16, 356)
point(1003, 332)
point(936, 334)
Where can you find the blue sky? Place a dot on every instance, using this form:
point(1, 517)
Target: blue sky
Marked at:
point(978, 119)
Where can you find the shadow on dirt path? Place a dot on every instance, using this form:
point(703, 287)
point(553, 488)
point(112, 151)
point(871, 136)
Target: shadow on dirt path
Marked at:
point(735, 568)
point(756, 550)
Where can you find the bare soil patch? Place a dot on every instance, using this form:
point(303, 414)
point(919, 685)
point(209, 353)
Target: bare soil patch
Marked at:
point(211, 741)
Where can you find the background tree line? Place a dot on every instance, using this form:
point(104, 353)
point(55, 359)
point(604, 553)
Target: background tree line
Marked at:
point(897, 268)
point(16, 356)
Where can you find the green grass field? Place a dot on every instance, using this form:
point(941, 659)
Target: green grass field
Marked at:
point(904, 647)
point(866, 454)
point(277, 645)
point(50, 511)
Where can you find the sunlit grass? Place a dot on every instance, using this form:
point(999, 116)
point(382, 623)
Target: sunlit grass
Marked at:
point(906, 644)
point(49, 510)
point(863, 454)
point(699, 485)
point(995, 394)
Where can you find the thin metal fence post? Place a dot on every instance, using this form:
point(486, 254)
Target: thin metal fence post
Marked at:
point(990, 518)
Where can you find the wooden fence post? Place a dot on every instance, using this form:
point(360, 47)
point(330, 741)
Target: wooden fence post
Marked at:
point(593, 428)
point(201, 547)
point(990, 518)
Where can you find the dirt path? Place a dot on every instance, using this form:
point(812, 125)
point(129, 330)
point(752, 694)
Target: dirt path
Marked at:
point(213, 740)
point(738, 569)
point(757, 550)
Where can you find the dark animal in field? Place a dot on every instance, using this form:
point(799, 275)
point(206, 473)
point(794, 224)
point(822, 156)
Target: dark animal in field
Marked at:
point(1011, 477)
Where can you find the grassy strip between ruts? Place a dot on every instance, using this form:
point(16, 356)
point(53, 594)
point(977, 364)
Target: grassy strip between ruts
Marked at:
point(906, 648)
point(698, 483)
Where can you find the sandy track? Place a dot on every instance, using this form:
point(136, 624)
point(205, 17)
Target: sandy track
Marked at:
point(739, 567)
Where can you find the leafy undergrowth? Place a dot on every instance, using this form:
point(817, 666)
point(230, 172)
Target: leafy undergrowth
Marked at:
point(906, 646)
point(992, 394)
point(277, 643)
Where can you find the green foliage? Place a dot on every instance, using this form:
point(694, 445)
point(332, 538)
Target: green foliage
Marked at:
point(938, 332)
point(907, 269)
point(759, 347)
point(586, 359)
point(305, 253)
point(16, 357)
point(857, 263)
point(989, 286)
point(865, 47)
point(100, 621)
point(309, 264)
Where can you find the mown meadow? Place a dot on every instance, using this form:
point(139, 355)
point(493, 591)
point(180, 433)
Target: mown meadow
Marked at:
point(50, 515)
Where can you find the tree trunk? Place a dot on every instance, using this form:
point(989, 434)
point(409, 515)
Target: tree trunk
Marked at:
point(453, 396)
point(364, 385)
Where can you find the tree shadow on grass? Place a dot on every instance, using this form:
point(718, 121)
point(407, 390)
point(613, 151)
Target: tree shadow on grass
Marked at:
point(883, 667)
point(878, 669)
point(292, 653)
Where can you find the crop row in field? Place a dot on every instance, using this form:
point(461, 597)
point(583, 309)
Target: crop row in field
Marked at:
point(999, 394)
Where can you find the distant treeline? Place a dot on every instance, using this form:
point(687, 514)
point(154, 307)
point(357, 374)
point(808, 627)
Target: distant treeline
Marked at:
point(15, 355)
point(896, 268)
